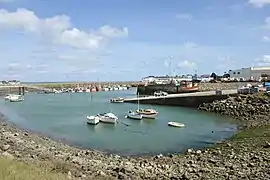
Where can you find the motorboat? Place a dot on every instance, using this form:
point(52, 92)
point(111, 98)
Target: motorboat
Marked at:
point(176, 124)
point(134, 115)
point(7, 97)
point(148, 113)
point(93, 120)
point(108, 118)
point(15, 98)
point(117, 100)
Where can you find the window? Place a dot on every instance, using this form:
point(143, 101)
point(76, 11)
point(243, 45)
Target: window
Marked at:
point(233, 72)
point(238, 72)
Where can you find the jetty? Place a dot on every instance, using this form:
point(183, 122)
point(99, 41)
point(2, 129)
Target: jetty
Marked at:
point(185, 99)
point(21, 88)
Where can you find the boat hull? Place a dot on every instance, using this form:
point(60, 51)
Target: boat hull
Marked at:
point(149, 116)
point(92, 120)
point(108, 120)
point(176, 124)
point(135, 116)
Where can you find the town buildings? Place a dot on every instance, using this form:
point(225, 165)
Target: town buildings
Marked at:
point(250, 73)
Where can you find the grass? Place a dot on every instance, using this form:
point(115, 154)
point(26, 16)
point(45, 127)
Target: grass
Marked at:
point(262, 131)
point(14, 170)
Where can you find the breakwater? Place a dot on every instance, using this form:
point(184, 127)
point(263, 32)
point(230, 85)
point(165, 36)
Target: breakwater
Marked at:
point(172, 89)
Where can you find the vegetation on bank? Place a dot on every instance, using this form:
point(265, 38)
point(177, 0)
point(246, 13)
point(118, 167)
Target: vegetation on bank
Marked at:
point(14, 170)
point(255, 132)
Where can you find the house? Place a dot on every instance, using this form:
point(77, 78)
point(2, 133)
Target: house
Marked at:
point(250, 73)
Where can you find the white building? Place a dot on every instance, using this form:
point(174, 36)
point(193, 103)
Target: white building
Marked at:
point(251, 73)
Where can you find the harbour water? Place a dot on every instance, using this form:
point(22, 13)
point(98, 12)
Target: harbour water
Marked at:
point(63, 116)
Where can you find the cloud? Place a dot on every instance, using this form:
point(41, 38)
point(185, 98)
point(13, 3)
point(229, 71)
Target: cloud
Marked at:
point(184, 16)
point(266, 39)
point(259, 3)
point(187, 65)
point(267, 23)
point(263, 61)
point(59, 29)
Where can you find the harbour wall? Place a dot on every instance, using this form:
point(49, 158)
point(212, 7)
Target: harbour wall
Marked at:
point(187, 101)
point(172, 89)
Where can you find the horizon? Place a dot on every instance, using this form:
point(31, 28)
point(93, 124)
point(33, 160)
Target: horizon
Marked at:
point(125, 41)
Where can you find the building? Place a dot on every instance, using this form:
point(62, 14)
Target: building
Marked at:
point(251, 73)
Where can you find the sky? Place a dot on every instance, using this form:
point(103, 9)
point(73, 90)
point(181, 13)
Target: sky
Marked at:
point(102, 40)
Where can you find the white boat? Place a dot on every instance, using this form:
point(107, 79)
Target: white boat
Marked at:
point(134, 115)
point(93, 120)
point(117, 100)
point(87, 90)
point(105, 89)
point(7, 97)
point(120, 88)
point(124, 88)
point(16, 98)
point(115, 88)
point(108, 118)
point(176, 124)
point(148, 113)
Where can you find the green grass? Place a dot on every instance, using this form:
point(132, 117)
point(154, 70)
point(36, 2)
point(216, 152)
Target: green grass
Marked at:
point(263, 131)
point(14, 170)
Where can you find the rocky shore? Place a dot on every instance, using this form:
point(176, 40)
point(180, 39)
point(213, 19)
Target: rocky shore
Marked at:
point(242, 157)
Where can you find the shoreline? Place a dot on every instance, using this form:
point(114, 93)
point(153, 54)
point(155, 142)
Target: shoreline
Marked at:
point(232, 158)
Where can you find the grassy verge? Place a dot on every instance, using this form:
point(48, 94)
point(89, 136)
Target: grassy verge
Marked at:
point(14, 170)
point(262, 131)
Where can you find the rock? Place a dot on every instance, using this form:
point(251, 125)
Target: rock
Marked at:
point(69, 175)
point(267, 145)
point(7, 155)
point(5, 147)
point(16, 134)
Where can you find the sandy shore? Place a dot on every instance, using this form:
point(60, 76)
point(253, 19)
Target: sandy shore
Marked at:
point(246, 156)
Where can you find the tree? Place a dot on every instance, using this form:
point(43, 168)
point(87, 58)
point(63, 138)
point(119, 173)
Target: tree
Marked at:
point(214, 76)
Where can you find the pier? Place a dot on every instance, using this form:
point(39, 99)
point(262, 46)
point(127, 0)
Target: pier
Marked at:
point(184, 99)
point(20, 89)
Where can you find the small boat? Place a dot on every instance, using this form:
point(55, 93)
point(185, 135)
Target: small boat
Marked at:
point(7, 97)
point(148, 113)
point(176, 124)
point(16, 98)
point(93, 120)
point(134, 115)
point(108, 118)
point(117, 100)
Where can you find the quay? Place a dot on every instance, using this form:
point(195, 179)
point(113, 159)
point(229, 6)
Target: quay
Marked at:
point(184, 99)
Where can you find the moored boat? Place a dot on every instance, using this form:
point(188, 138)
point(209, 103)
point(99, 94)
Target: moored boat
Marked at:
point(108, 118)
point(16, 98)
point(134, 115)
point(93, 120)
point(117, 100)
point(176, 124)
point(148, 113)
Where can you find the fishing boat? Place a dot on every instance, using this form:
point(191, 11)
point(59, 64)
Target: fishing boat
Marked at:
point(134, 115)
point(176, 124)
point(117, 100)
point(93, 120)
point(108, 118)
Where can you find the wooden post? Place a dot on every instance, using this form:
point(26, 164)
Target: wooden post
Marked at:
point(19, 90)
point(23, 90)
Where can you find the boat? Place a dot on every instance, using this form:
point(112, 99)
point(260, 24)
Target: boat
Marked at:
point(16, 98)
point(93, 120)
point(7, 97)
point(148, 113)
point(108, 118)
point(117, 100)
point(176, 124)
point(134, 115)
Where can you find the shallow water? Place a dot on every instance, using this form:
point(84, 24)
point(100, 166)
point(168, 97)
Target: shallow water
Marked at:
point(63, 116)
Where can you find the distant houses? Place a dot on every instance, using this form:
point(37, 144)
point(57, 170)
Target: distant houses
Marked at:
point(12, 82)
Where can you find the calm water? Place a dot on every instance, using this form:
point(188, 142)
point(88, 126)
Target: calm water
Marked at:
point(63, 116)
